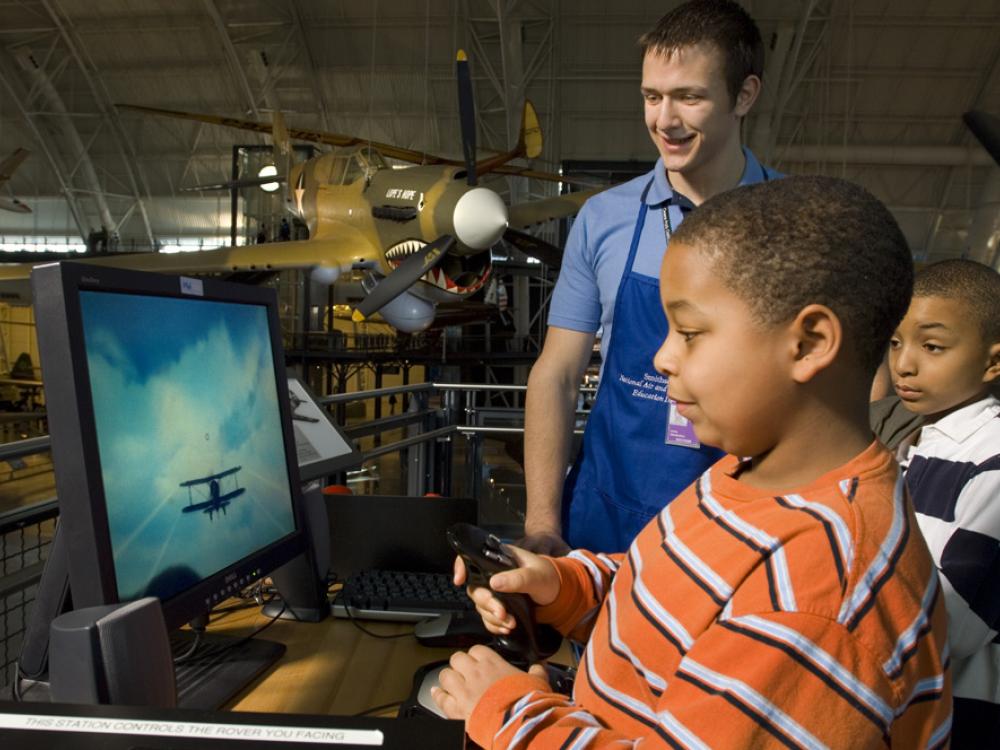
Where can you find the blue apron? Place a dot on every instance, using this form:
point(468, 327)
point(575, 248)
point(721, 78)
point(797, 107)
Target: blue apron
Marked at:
point(625, 473)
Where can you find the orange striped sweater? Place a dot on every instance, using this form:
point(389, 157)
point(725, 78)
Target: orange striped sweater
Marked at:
point(740, 619)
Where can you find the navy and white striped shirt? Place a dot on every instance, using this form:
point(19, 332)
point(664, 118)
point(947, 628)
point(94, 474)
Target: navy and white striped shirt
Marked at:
point(953, 474)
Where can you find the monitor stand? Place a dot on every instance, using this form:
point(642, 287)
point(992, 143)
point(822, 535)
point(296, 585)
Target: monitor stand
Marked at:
point(220, 670)
point(221, 667)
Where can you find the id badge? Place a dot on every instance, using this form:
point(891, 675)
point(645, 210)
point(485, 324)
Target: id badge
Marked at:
point(680, 431)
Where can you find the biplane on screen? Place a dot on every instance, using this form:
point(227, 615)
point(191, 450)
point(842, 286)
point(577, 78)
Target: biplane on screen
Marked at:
point(189, 432)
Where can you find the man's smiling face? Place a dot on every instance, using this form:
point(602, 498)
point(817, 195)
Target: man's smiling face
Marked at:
point(688, 109)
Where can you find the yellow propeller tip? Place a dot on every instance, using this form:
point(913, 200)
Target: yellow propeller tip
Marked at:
point(461, 56)
point(357, 316)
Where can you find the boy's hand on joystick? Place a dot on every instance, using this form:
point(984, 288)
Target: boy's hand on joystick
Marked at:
point(534, 576)
point(522, 580)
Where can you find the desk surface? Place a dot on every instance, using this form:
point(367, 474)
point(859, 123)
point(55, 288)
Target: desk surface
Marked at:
point(330, 667)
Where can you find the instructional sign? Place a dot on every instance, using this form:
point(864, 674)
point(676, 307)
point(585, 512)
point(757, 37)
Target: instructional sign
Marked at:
point(158, 728)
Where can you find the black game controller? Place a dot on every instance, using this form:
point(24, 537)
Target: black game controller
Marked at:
point(485, 555)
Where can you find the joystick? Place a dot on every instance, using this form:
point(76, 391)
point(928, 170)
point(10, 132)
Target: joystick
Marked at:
point(484, 555)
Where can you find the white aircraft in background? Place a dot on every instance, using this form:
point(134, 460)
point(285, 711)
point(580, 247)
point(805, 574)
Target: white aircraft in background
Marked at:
point(7, 168)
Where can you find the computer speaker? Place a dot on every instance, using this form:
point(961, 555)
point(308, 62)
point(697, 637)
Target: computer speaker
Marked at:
point(116, 654)
point(301, 582)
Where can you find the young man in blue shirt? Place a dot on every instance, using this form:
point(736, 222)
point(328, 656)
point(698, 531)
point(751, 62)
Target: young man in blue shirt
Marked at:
point(701, 74)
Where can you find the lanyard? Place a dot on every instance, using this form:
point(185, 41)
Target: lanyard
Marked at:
point(668, 228)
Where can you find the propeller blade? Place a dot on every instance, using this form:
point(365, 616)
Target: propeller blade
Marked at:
point(406, 275)
point(986, 128)
point(466, 115)
point(544, 251)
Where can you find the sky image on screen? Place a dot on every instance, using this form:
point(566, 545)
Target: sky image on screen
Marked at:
point(184, 389)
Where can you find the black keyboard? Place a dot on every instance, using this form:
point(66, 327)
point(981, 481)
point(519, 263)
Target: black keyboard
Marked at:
point(395, 595)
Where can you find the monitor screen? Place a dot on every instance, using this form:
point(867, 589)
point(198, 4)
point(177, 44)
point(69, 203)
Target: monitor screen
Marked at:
point(189, 436)
point(171, 435)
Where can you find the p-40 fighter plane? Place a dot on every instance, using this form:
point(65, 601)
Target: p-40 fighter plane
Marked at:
point(7, 168)
point(216, 501)
point(420, 235)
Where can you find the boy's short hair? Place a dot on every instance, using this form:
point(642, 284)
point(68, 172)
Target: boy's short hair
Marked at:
point(722, 23)
point(784, 244)
point(975, 284)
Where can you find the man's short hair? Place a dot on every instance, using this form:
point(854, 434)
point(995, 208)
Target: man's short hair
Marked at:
point(974, 284)
point(722, 23)
point(788, 243)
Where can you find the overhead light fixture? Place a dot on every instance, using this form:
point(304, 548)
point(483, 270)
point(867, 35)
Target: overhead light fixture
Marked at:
point(269, 170)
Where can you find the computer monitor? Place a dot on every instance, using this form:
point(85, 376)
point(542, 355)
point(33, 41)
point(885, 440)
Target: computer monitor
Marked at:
point(171, 433)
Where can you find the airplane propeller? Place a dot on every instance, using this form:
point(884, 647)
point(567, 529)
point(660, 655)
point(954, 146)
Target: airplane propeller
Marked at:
point(986, 128)
point(466, 115)
point(537, 248)
point(406, 275)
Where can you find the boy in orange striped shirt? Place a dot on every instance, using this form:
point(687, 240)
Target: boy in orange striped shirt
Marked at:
point(786, 598)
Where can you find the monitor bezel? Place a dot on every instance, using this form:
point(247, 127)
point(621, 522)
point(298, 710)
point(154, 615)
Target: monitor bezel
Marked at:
point(72, 428)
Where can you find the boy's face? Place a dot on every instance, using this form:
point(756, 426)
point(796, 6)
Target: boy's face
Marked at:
point(725, 370)
point(688, 111)
point(938, 357)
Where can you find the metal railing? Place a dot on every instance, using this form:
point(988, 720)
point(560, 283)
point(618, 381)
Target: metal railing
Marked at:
point(431, 460)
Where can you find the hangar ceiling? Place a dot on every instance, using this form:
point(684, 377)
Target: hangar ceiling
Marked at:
point(870, 90)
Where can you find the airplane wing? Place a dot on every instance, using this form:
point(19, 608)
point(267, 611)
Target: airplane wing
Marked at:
point(271, 256)
point(525, 215)
point(230, 495)
point(345, 141)
point(241, 183)
point(302, 134)
point(206, 480)
point(196, 507)
point(9, 165)
point(13, 204)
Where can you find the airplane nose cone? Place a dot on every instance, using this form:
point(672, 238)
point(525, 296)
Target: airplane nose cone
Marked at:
point(480, 218)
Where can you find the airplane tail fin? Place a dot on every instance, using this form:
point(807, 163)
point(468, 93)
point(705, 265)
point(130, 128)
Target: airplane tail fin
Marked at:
point(529, 142)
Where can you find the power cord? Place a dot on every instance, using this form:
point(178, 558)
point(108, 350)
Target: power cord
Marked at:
point(15, 686)
point(182, 658)
point(251, 597)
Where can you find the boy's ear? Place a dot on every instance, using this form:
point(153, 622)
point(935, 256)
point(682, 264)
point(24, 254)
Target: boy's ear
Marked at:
point(993, 368)
point(817, 338)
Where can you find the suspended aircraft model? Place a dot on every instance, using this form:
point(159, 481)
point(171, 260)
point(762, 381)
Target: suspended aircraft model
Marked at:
point(7, 168)
point(420, 235)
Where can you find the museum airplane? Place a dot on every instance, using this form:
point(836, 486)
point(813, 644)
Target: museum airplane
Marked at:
point(7, 168)
point(418, 236)
point(216, 501)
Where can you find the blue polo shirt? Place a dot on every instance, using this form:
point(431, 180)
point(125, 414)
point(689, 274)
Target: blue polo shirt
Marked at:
point(598, 245)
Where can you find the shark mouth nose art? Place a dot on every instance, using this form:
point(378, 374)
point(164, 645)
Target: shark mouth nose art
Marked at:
point(457, 275)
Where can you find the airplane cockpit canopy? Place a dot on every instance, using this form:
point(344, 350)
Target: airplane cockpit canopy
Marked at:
point(343, 166)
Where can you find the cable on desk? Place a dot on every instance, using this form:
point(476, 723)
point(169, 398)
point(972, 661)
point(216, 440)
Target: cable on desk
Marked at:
point(262, 628)
point(181, 658)
point(15, 686)
point(362, 628)
point(252, 596)
point(379, 709)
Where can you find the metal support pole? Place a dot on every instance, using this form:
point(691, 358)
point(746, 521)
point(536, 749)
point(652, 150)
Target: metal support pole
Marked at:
point(416, 455)
point(378, 401)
